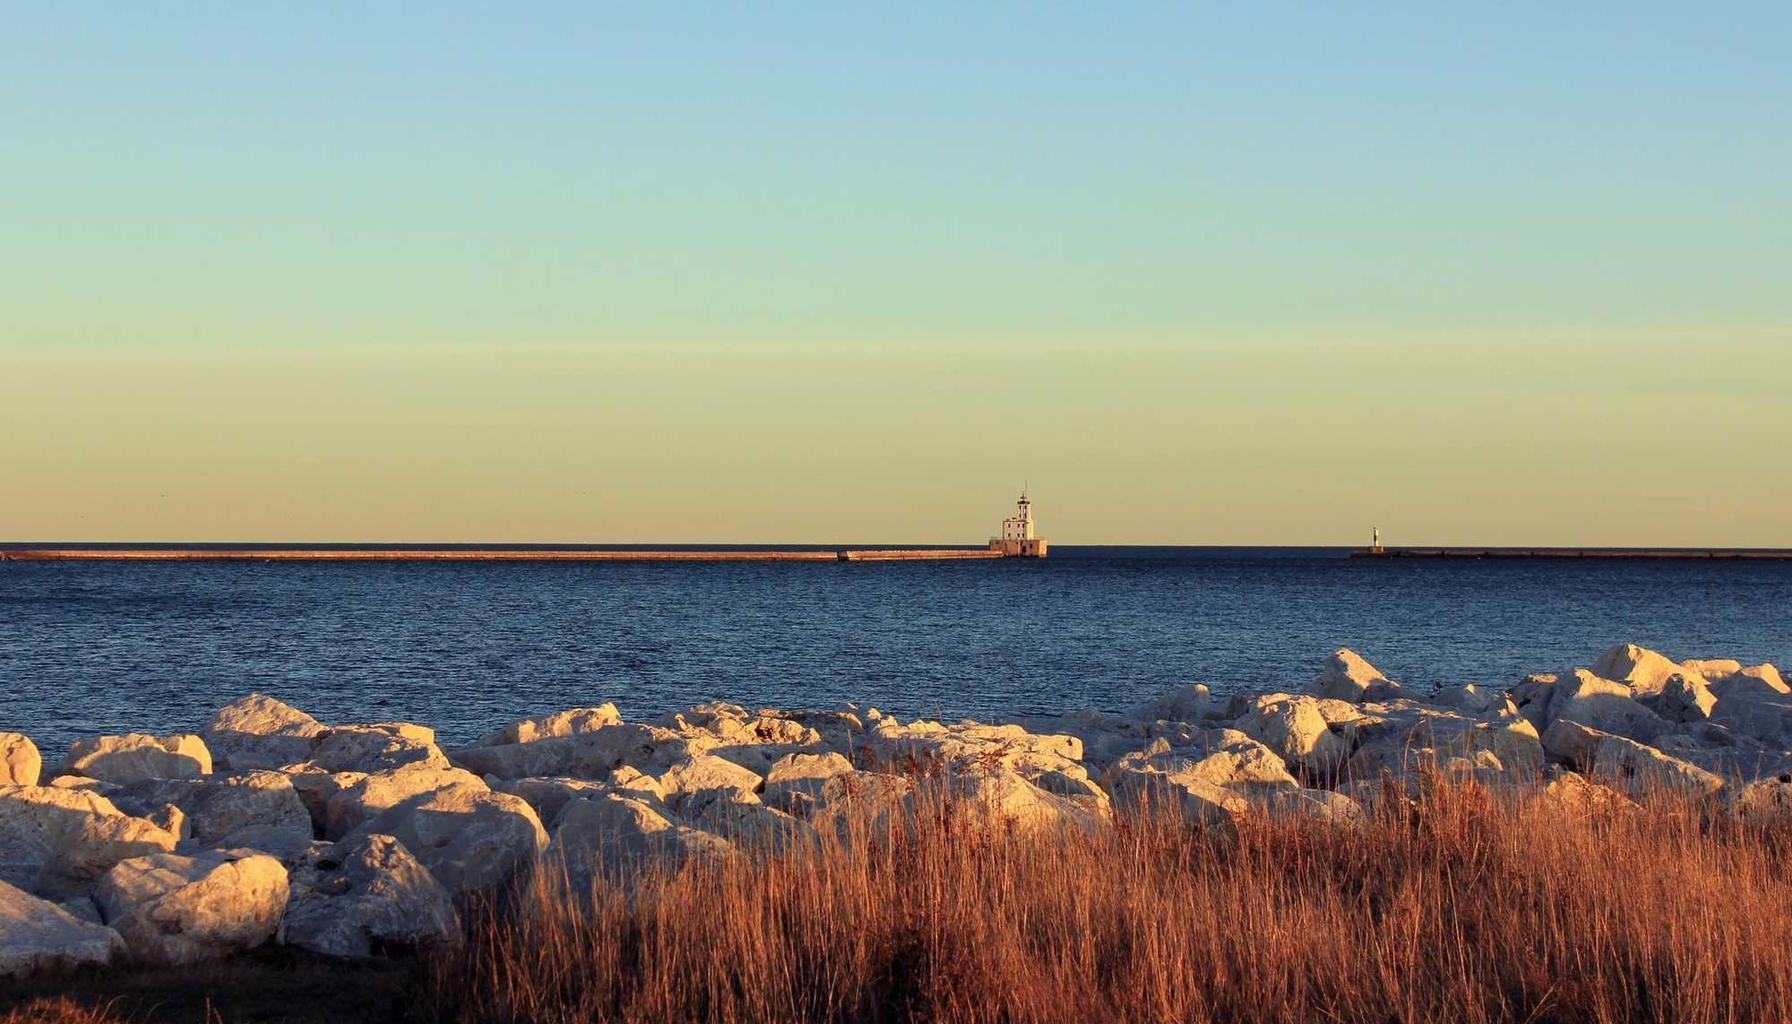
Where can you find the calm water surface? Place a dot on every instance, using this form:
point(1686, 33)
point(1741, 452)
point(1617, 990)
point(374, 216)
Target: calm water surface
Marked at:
point(107, 647)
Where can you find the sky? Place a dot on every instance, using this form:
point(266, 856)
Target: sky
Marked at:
point(1274, 273)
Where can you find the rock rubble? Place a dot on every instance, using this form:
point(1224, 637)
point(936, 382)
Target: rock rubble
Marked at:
point(354, 840)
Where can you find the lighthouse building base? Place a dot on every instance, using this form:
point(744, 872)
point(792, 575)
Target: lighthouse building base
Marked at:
point(1030, 547)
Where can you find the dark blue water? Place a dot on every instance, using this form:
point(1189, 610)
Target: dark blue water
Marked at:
point(107, 647)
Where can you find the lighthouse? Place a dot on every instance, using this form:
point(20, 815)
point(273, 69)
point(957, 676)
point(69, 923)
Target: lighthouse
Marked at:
point(1017, 540)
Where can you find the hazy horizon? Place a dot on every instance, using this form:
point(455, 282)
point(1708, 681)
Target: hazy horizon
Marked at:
point(766, 274)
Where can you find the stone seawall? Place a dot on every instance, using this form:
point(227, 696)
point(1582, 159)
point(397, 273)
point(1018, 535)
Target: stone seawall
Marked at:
point(482, 555)
point(267, 826)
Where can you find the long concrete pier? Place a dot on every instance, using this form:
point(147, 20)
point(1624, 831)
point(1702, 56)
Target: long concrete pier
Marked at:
point(291, 554)
point(1737, 554)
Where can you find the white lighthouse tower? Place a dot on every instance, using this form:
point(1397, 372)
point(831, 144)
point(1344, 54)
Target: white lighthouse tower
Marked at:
point(1017, 540)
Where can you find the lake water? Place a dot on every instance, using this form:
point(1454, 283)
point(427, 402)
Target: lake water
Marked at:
point(91, 648)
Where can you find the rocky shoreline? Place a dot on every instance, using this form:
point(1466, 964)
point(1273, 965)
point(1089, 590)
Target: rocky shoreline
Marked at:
point(361, 840)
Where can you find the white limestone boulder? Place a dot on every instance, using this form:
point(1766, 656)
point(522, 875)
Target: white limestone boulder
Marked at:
point(1625, 764)
point(1295, 730)
point(1193, 801)
point(588, 755)
point(1219, 757)
point(1191, 703)
point(60, 840)
point(137, 756)
point(1318, 806)
point(221, 809)
point(1606, 705)
point(861, 805)
point(1640, 669)
point(570, 722)
point(85, 853)
point(172, 909)
point(367, 896)
point(793, 783)
point(1348, 676)
point(752, 825)
point(364, 796)
point(37, 936)
point(259, 731)
point(1007, 799)
point(376, 748)
point(1405, 739)
point(470, 839)
point(614, 836)
point(1752, 707)
point(20, 762)
point(1473, 699)
point(1766, 801)
point(1638, 768)
point(704, 777)
point(1685, 697)
point(551, 796)
point(1574, 794)
point(732, 725)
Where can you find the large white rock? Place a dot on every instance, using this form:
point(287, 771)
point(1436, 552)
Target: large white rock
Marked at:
point(1473, 699)
point(20, 763)
point(377, 748)
point(258, 731)
point(550, 796)
point(862, 804)
point(220, 809)
point(37, 935)
point(1750, 706)
point(1191, 703)
point(753, 825)
point(614, 836)
point(704, 777)
point(588, 755)
point(1293, 728)
point(1573, 794)
point(924, 745)
point(470, 839)
point(365, 795)
point(1626, 764)
point(1313, 805)
point(364, 896)
point(1193, 800)
point(732, 725)
point(1605, 704)
point(137, 756)
point(1219, 757)
point(1011, 801)
point(85, 853)
point(1644, 671)
point(58, 840)
point(571, 722)
point(1405, 739)
point(1348, 676)
point(793, 783)
point(172, 909)
point(1767, 801)
point(1685, 698)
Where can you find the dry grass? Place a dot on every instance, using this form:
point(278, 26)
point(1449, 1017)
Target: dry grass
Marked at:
point(1471, 909)
point(62, 1010)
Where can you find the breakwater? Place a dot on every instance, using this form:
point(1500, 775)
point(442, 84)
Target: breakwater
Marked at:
point(485, 555)
point(1754, 554)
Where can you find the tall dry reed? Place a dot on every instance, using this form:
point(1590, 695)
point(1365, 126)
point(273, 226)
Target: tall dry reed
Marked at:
point(1466, 908)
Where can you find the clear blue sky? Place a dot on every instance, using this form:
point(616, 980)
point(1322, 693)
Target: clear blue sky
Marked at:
point(1182, 265)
